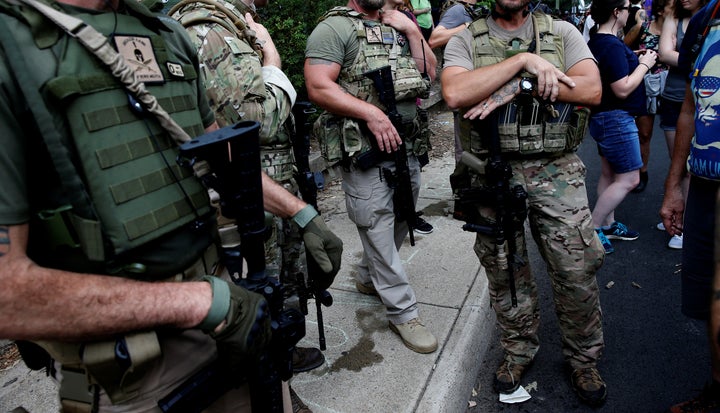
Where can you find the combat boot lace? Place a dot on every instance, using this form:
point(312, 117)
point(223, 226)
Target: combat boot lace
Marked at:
point(589, 386)
point(508, 376)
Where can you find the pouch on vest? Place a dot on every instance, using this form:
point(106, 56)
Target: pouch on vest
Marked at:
point(577, 128)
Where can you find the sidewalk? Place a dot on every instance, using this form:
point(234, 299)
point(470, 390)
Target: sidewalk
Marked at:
point(367, 366)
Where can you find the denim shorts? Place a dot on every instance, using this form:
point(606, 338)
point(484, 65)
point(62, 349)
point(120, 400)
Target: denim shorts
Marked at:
point(669, 113)
point(617, 138)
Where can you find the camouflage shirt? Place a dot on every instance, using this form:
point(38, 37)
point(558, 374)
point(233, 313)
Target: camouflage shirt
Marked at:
point(237, 84)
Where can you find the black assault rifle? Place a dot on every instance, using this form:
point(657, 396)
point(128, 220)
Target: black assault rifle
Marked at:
point(398, 180)
point(308, 190)
point(509, 204)
point(233, 156)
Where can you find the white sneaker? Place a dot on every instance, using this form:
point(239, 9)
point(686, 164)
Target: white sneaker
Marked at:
point(676, 242)
point(660, 226)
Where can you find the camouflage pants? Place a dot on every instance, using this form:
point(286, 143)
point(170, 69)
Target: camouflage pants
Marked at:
point(560, 222)
point(284, 250)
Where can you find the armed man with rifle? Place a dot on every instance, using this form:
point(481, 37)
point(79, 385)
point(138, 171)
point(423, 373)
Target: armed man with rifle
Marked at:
point(517, 78)
point(245, 82)
point(106, 244)
point(371, 126)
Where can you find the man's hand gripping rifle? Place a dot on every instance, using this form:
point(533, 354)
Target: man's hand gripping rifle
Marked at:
point(399, 180)
point(509, 204)
point(233, 156)
point(308, 190)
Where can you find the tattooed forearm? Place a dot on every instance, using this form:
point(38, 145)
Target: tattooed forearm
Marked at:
point(509, 89)
point(716, 295)
point(4, 241)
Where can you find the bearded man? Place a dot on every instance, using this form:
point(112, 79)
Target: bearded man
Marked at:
point(517, 79)
point(347, 43)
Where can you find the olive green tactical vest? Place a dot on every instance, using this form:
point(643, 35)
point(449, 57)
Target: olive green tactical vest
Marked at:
point(387, 47)
point(378, 45)
point(524, 129)
point(125, 160)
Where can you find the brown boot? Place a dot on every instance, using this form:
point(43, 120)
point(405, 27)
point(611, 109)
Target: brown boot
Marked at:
point(589, 386)
point(508, 376)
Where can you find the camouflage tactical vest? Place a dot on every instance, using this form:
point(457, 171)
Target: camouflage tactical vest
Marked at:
point(473, 10)
point(240, 97)
point(124, 159)
point(527, 128)
point(379, 45)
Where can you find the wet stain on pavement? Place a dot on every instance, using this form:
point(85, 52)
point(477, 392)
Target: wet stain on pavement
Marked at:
point(362, 354)
point(439, 208)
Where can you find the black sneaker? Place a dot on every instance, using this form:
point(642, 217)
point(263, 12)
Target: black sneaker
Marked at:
point(589, 386)
point(306, 359)
point(422, 226)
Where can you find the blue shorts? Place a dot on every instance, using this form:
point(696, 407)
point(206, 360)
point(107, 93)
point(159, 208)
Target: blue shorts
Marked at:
point(617, 138)
point(669, 113)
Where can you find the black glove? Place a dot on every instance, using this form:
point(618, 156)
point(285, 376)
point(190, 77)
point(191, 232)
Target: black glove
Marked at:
point(246, 332)
point(324, 246)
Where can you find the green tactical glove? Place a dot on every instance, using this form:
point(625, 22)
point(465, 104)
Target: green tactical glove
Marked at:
point(324, 246)
point(247, 321)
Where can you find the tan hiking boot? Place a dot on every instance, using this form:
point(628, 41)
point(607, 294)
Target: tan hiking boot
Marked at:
point(508, 376)
point(416, 336)
point(367, 289)
point(589, 386)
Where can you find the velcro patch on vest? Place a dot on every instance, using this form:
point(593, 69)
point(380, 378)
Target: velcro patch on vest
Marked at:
point(176, 70)
point(139, 53)
point(374, 34)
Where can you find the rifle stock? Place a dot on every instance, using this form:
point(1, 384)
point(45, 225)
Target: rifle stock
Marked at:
point(399, 180)
point(233, 154)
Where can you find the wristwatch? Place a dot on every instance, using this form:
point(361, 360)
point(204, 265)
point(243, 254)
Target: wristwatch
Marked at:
point(528, 85)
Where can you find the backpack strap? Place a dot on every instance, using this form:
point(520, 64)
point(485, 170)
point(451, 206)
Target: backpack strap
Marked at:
point(706, 24)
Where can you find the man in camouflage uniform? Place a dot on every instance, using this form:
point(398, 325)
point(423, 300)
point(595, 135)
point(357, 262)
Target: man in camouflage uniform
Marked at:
point(244, 82)
point(478, 81)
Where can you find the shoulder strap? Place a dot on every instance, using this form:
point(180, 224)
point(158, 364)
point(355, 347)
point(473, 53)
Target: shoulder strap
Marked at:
point(706, 24)
point(99, 46)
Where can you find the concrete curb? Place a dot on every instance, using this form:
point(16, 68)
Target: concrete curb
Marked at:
point(454, 376)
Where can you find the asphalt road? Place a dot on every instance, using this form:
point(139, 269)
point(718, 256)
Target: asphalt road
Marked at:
point(654, 356)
